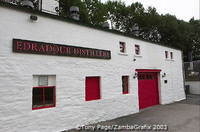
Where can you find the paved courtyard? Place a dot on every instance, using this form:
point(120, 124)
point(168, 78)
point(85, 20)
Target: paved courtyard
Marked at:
point(183, 116)
point(192, 99)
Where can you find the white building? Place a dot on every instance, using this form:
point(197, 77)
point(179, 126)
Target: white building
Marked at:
point(56, 75)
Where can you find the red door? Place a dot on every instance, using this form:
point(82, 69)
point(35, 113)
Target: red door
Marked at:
point(92, 88)
point(148, 89)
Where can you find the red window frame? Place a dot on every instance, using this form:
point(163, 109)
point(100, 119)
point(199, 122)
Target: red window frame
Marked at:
point(125, 84)
point(166, 54)
point(137, 49)
point(171, 55)
point(42, 106)
point(148, 70)
point(122, 46)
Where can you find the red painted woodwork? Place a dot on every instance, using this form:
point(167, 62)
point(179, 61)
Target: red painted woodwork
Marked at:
point(166, 54)
point(148, 70)
point(148, 89)
point(137, 49)
point(42, 107)
point(122, 46)
point(171, 55)
point(125, 84)
point(44, 97)
point(92, 88)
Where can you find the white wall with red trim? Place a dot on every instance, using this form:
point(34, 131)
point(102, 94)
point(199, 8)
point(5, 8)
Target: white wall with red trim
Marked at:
point(17, 70)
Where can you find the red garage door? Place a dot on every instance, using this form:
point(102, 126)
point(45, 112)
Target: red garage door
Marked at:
point(148, 88)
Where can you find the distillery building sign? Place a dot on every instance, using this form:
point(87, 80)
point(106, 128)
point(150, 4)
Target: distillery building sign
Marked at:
point(33, 47)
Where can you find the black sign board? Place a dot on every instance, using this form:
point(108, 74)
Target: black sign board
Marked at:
point(34, 47)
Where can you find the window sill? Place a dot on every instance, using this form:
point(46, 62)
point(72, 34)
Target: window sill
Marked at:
point(44, 86)
point(169, 60)
point(87, 100)
point(139, 56)
point(124, 54)
point(43, 107)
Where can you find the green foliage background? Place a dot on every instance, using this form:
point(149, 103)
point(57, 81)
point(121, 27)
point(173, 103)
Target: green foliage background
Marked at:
point(139, 22)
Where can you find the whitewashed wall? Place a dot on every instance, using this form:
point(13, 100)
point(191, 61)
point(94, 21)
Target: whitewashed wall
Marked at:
point(17, 70)
point(194, 86)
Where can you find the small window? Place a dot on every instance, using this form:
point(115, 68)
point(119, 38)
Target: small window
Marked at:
point(125, 84)
point(43, 97)
point(137, 49)
point(44, 91)
point(166, 55)
point(92, 88)
point(171, 55)
point(122, 46)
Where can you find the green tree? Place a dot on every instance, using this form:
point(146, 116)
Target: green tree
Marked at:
point(117, 14)
point(195, 38)
point(168, 28)
point(148, 23)
point(137, 21)
point(97, 13)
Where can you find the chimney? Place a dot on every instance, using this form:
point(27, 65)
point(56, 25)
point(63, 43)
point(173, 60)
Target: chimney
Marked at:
point(74, 13)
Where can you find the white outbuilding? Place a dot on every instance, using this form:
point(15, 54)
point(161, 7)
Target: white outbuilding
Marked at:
point(57, 74)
